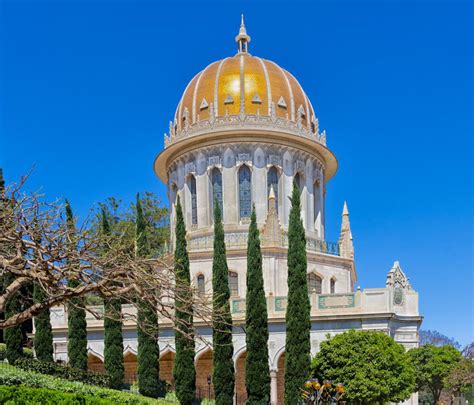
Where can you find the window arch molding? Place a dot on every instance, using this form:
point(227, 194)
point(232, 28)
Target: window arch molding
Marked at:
point(315, 282)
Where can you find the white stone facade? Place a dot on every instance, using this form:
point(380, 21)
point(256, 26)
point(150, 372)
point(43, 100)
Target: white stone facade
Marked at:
point(253, 158)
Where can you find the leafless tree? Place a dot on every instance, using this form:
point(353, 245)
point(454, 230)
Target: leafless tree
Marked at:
point(37, 245)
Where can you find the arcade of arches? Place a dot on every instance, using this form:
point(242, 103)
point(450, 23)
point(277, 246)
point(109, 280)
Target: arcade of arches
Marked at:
point(203, 372)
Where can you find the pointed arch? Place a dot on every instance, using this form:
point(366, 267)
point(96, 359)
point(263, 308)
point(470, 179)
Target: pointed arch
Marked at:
point(216, 187)
point(315, 283)
point(273, 181)
point(245, 191)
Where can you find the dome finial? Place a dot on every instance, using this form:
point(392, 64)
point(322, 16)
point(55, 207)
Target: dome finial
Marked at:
point(242, 39)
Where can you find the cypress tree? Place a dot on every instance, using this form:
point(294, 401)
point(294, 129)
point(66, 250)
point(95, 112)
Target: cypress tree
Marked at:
point(76, 322)
point(298, 323)
point(149, 383)
point(257, 373)
point(113, 339)
point(13, 336)
point(184, 371)
point(43, 342)
point(223, 373)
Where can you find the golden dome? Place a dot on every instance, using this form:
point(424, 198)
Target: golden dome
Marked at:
point(244, 85)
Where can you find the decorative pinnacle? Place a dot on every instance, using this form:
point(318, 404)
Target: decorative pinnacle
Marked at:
point(345, 211)
point(243, 38)
point(271, 195)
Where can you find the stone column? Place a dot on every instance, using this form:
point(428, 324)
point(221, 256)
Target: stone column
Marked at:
point(309, 196)
point(259, 185)
point(287, 180)
point(273, 388)
point(202, 192)
point(230, 204)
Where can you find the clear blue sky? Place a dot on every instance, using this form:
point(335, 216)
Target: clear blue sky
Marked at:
point(88, 88)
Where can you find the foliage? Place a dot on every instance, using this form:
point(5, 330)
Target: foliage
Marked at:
point(257, 373)
point(64, 371)
point(436, 338)
point(184, 371)
point(27, 353)
point(43, 341)
point(13, 335)
point(26, 395)
point(11, 376)
point(298, 324)
point(432, 366)
point(223, 372)
point(123, 219)
point(76, 320)
point(370, 364)
point(461, 377)
point(148, 349)
point(113, 339)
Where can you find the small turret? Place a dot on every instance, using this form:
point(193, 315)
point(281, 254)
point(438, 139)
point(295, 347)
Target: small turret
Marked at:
point(345, 239)
point(242, 39)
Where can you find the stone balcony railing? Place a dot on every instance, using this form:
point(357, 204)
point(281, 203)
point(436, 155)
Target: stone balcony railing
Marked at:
point(360, 303)
point(238, 240)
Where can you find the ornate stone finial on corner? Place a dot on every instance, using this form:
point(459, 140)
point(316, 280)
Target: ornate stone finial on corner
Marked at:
point(272, 232)
point(345, 239)
point(322, 137)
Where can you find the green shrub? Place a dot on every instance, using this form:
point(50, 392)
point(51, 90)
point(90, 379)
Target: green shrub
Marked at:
point(28, 353)
point(26, 395)
point(12, 376)
point(63, 371)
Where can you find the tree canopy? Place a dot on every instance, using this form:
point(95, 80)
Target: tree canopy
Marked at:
point(370, 364)
point(433, 365)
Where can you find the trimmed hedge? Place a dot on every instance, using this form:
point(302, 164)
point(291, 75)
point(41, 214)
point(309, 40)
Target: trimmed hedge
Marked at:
point(26, 395)
point(11, 376)
point(63, 371)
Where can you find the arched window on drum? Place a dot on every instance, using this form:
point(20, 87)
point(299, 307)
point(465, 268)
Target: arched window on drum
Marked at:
point(299, 182)
point(245, 192)
point(216, 182)
point(315, 283)
point(192, 191)
point(272, 182)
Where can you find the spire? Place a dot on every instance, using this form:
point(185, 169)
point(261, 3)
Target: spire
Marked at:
point(345, 238)
point(242, 39)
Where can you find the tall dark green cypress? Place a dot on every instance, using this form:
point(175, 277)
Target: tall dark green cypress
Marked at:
point(149, 383)
point(43, 342)
point(223, 373)
point(257, 373)
point(113, 339)
point(13, 336)
point(298, 323)
point(76, 321)
point(184, 371)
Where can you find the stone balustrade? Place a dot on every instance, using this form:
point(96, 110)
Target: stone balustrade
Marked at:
point(367, 302)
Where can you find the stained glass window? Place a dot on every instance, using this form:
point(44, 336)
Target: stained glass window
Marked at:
point(192, 189)
point(272, 180)
point(245, 193)
point(216, 180)
point(314, 283)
